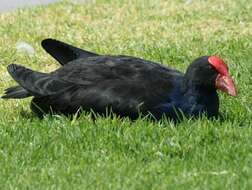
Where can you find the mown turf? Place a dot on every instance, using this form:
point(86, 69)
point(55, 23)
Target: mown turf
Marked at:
point(59, 153)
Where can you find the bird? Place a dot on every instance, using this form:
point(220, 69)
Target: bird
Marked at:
point(125, 85)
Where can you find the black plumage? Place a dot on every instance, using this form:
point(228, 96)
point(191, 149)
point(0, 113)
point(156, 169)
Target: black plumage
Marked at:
point(63, 52)
point(126, 85)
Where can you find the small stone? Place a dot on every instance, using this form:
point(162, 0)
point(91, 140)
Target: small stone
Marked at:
point(188, 2)
point(23, 47)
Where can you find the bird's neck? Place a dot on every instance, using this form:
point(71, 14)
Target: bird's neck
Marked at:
point(201, 98)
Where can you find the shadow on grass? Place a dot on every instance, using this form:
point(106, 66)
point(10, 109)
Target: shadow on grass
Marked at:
point(163, 122)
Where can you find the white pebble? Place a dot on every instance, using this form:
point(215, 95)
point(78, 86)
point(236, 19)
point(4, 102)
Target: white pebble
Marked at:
point(188, 2)
point(23, 47)
point(83, 1)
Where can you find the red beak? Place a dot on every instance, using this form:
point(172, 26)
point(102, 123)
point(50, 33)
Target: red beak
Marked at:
point(225, 83)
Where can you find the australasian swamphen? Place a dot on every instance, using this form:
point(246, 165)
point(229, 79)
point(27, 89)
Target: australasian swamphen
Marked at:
point(127, 85)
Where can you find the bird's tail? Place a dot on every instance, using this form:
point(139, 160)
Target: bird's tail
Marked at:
point(15, 92)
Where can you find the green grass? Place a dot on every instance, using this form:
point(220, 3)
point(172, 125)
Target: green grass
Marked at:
point(59, 153)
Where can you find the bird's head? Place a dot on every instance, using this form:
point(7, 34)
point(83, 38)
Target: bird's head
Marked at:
point(210, 73)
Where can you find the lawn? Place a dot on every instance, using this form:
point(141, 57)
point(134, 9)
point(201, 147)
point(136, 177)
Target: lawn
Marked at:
point(59, 153)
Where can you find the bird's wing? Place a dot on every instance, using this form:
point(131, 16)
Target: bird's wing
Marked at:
point(63, 52)
point(36, 83)
point(126, 84)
